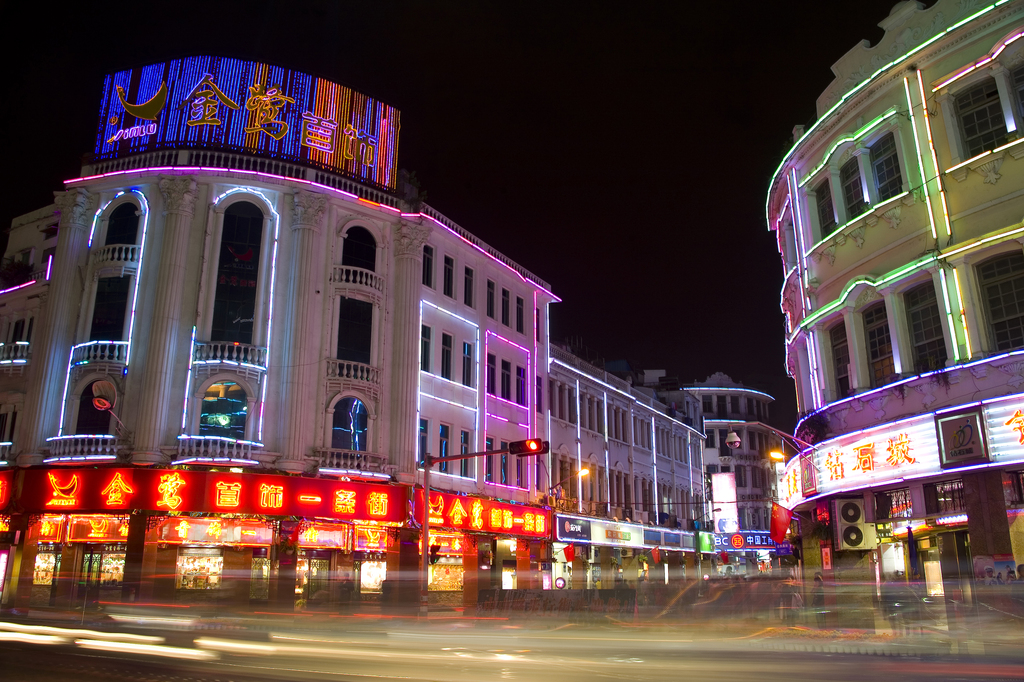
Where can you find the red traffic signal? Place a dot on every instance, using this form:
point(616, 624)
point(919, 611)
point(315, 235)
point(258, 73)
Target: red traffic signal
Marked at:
point(531, 446)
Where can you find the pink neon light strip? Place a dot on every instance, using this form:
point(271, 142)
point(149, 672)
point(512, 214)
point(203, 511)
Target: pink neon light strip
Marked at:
point(326, 188)
point(981, 62)
point(20, 286)
point(511, 343)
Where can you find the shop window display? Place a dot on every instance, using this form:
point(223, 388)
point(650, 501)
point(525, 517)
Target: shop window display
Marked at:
point(372, 575)
point(199, 569)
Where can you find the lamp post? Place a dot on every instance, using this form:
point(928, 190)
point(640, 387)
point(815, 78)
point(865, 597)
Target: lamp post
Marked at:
point(579, 474)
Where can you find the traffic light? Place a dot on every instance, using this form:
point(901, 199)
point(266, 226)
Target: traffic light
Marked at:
point(435, 554)
point(532, 446)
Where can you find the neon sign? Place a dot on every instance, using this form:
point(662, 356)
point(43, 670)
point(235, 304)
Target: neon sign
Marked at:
point(245, 106)
point(450, 511)
point(228, 494)
point(117, 490)
point(168, 489)
point(271, 496)
point(65, 495)
point(345, 501)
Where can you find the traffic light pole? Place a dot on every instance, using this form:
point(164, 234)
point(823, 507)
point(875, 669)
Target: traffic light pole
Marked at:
point(428, 463)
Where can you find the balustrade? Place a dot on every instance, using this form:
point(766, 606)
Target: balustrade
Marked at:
point(216, 447)
point(345, 274)
point(100, 351)
point(331, 458)
point(230, 353)
point(14, 353)
point(118, 254)
point(83, 446)
point(355, 371)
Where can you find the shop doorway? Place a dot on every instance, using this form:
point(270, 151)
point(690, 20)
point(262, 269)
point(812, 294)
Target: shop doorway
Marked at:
point(100, 574)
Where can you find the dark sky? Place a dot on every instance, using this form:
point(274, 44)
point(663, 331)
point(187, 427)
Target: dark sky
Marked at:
point(621, 151)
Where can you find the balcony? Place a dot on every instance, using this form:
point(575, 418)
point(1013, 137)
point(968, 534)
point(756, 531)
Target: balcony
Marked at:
point(248, 360)
point(347, 276)
point(217, 449)
point(342, 375)
point(105, 357)
point(122, 258)
point(351, 460)
point(76, 449)
point(14, 356)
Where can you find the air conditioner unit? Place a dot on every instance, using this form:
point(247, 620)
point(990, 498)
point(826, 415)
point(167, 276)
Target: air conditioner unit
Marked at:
point(626, 553)
point(854, 531)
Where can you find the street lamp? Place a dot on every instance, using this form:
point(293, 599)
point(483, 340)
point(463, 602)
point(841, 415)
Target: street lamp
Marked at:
point(580, 474)
point(777, 456)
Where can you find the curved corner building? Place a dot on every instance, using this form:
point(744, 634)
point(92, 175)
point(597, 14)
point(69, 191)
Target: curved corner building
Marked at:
point(899, 221)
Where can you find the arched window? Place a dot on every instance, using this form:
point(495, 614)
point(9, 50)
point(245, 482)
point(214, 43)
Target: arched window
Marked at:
point(234, 306)
point(348, 431)
point(225, 407)
point(123, 226)
point(925, 328)
point(359, 249)
point(90, 419)
point(1002, 287)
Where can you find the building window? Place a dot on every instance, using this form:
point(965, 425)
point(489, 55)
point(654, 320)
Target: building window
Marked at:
point(826, 211)
point(876, 328)
point(359, 249)
point(467, 287)
point(894, 504)
point(520, 322)
point(223, 411)
point(734, 404)
point(424, 440)
point(841, 359)
point(885, 164)
point(536, 324)
point(449, 277)
point(853, 190)
point(492, 369)
point(710, 442)
point(506, 380)
point(467, 364)
point(348, 427)
point(504, 464)
point(707, 404)
point(442, 451)
point(123, 226)
point(447, 349)
point(424, 348)
point(506, 303)
point(944, 497)
point(90, 419)
point(741, 476)
point(428, 265)
point(489, 461)
point(520, 385)
point(234, 305)
point(982, 125)
point(537, 398)
point(464, 450)
point(925, 328)
point(110, 309)
point(355, 330)
point(490, 299)
point(1002, 284)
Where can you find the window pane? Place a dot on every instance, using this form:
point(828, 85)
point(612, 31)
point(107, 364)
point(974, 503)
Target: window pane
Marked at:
point(981, 118)
point(234, 307)
point(886, 166)
point(826, 212)
point(853, 191)
point(348, 429)
point(841, 359)
point(428, 266)
point(876, 328)
point(223, 411)
point(123, 226)
point(359, 249)
point(925, 328)
point(111, 309)
point(1003, 289)
point(355, 330)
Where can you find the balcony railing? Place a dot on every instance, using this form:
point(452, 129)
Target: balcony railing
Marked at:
point(345, 274)
point(80, 448)
point(14, 353)
point(118, 254)
point(354, 371)
point(216, 447)
point(351, 460)
point(100, 351)
point(230, 353)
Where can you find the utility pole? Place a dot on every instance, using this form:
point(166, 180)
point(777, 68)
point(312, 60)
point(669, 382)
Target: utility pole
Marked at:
point(519, 448)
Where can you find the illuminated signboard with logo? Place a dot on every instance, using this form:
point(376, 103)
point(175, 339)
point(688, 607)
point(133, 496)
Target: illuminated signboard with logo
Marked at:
point(371, 538)
point(188, 530)
point(961, 438)
point(1005, 424)
point(98, 528)
point(211, 492)
point(570, 528)
point(479, 514)
point(749, 540)
point(250, 107)
point(598, 531)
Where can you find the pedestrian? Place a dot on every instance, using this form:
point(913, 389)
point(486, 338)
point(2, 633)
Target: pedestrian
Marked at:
point(818, 599)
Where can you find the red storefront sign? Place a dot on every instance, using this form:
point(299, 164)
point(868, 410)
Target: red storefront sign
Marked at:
point(59, 490)
point(180, 530)
point(97, 528)
point(484, 515)
point(6, 487)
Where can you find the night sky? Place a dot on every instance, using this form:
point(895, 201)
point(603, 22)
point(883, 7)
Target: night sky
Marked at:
point(620, 151)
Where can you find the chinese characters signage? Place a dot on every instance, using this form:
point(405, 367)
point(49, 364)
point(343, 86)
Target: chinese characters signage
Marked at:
point(485, 515)
point(206, 491)
point(238, 105)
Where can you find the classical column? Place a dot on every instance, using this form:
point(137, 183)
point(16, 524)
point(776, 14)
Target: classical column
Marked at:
point(409, 239)
point(899, 333)
point(179, 194)
point(303, 324)
point(860, 373)
point(63, 301)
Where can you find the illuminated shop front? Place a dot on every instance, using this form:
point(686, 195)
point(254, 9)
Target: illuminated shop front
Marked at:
point(492, 543)
point(200, 535)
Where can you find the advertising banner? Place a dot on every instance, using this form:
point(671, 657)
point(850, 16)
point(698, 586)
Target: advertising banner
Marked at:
point(749, 540)
point(484, 515)
point(723, 496)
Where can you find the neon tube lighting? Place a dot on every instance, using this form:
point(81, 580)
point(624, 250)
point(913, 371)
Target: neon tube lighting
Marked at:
point(79, 458)
point(511, 343)
point(222, 439)
point(96, 217)
point(863, 131)
point(49, 266)
point(448, 312)
point(871, 209)
point(138, 274)
point(920, 157)
point(20, 286)
point(359, 473)
point(215, 461)
point(188, 378)
point(949, 316)
point(450, 402)
point(860, 86)
point(963, 314)
point(319, 186)
point(981, 62)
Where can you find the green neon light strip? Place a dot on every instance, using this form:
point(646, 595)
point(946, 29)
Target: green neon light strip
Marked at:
point(949, 316)
point(920, 157)
point(852, 138)
point(858, 88)
point(845, 225)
